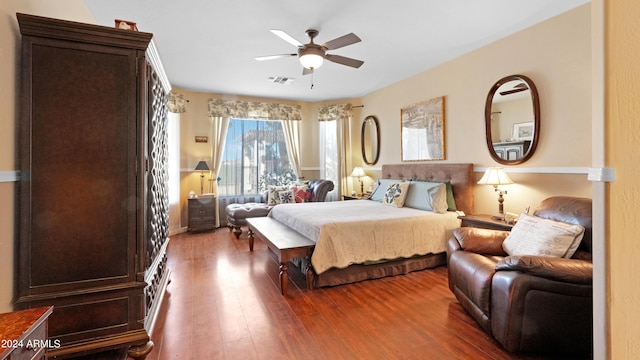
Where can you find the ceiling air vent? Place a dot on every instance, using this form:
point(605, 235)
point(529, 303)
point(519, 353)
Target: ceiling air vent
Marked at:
point(281, 79)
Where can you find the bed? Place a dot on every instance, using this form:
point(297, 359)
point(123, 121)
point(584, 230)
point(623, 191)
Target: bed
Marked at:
point(385, 241)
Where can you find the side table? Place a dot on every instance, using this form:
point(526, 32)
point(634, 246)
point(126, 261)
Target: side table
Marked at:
point(202, 213)
point(23, 334)
point(484, 221)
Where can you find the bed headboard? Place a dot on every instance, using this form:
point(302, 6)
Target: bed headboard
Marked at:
point(460, 176)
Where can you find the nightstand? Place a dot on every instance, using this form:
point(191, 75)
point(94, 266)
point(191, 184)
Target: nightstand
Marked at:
point(357, 197)
point(484, 222)
point(202, 213)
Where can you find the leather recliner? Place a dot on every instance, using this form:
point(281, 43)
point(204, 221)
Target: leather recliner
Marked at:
point(527, 303)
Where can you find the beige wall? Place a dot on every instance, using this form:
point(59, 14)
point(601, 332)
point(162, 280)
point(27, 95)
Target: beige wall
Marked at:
point(556, 56)
point(622, 126)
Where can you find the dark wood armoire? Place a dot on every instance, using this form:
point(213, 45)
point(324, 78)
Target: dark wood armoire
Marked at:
point(93, 202)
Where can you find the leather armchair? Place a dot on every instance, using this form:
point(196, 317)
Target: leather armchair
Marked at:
point(527, 303)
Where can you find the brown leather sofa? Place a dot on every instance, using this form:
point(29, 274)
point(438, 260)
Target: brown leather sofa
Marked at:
point(527, 303)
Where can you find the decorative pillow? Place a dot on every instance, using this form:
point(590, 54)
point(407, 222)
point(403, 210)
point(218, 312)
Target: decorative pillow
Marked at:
point(395, 194)
point(273, 197)
point(451, 202)
point(381, 189)
point(308, 195)
point(286, 197)
point(299, 191)
point(429, 196)
point(543, 237)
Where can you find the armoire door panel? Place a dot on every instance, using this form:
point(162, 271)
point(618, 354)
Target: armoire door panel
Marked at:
point(80, 184)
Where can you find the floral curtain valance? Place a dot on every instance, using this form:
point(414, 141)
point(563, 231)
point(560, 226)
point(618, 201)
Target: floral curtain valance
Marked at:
point(176, 103)
point(253, 110)
point(333, 112)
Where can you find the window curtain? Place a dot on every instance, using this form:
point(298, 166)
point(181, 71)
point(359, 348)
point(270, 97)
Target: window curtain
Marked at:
point(218, 134)
point(291, 131)
point(173, 144)
point(220, 113)
point(341, 113)
point(176, 103)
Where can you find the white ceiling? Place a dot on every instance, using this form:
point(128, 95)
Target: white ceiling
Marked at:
point(210, 45)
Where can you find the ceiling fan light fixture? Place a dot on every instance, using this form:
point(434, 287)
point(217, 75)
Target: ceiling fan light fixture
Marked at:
point(311, 61)
point(311, 57)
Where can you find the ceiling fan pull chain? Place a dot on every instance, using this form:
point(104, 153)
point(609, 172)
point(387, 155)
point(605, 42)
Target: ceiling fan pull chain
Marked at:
point(312, 80)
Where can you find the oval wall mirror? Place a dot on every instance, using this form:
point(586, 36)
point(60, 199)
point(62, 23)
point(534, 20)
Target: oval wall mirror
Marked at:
point(370, 140)
point(512, 119)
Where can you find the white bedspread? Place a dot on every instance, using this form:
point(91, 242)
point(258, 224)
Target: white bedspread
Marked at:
point(353, 232)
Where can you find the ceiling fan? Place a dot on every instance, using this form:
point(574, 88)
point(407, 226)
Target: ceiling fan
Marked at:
point(312, 55)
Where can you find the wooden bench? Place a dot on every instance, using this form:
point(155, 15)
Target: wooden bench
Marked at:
point(285, 242)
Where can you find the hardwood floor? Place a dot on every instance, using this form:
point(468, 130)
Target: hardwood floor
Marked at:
point(223, 302)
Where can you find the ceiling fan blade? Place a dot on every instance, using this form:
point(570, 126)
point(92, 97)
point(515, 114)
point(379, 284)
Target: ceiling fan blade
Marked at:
point(516, 89)
point(286, 37)
point(344, 60)
point(342, 41)
point(306, 71)
point(271, 57)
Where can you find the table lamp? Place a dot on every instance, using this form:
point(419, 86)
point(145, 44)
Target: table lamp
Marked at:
point(202, 167)
point(496, 176)
point(359, 173)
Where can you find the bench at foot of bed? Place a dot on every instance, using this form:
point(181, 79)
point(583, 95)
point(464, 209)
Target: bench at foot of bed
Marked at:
point(285, 242)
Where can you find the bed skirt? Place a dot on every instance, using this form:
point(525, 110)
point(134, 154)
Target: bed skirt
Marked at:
point(359, 272)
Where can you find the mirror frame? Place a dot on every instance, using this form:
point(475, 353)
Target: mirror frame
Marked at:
point(536, 119)
point(376, 156)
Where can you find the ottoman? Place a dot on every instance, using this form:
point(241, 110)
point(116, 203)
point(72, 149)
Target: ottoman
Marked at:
point(237, 215)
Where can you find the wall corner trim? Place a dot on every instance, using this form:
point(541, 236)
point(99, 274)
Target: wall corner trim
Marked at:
point(602, 174)
point(9, 176)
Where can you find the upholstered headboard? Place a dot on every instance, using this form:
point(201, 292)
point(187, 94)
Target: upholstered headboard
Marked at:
point(460, 176)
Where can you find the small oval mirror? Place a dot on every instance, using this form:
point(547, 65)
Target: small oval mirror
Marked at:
point(370, 140)
point(512, 119)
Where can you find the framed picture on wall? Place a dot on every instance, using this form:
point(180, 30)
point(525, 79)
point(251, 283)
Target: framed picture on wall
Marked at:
point(422, 127)
point(523, 131)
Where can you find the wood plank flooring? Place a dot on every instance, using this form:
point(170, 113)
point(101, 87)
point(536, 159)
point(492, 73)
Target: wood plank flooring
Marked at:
point(223, 302)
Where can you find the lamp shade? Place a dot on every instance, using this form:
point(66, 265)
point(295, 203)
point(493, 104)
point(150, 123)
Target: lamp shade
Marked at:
point(495, 176)
point(358, 172)
point(202, 166)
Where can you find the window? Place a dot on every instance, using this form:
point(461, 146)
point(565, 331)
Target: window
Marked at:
point(254, 156)
point(329, 165)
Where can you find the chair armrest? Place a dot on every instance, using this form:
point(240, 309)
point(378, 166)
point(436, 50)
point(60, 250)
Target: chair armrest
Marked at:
point(263, 197)
point(481, 241)
point(320, 188)
point(560, 269)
